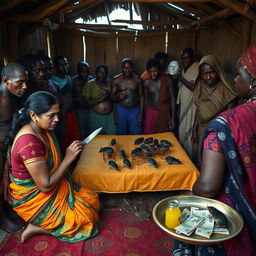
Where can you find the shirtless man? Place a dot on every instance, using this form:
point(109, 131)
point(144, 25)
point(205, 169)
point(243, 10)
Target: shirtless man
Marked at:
point(127, 91)
point(78, 84)
point(13, 86)
point(63, 80)
point(159, 100)
point(96, 94)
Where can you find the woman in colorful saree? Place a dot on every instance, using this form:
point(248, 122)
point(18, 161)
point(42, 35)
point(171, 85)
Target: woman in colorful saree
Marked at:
point(41, 188)
point(229, 163)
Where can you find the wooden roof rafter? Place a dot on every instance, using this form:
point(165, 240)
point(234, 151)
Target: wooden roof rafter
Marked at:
point(239, 8)
point(78, 13)
point(197, 12)
point(217, 16)
point(47, 10)
point(180, 15)
point(10, 5)
point(153, 23)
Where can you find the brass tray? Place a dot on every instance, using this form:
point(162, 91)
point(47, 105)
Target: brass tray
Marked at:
point(235, 221)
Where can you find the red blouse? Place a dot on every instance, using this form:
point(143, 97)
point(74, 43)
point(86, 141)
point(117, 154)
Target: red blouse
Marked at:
point(28, 148)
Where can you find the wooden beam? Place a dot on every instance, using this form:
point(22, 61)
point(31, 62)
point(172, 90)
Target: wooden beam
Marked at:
point(164, 1)
point(90, 26)
point(219, 15)
point(240, 8)
point(10, 5)
point(191, 9)
point(43, 14)
point(153, 23)
point(76, 6)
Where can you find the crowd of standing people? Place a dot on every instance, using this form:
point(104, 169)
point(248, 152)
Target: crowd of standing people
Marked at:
point(35, 101)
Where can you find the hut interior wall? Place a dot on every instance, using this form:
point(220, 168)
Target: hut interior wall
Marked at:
point(225, 41)
point(35, 41)
point(69, 43)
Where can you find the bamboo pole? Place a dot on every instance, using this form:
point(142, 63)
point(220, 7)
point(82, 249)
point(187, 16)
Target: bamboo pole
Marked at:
point(153, 23)
point(10, 5)
point(44, 13)
point(163, 1)
point(219, 15)
point(240, 8)
point(76, 6)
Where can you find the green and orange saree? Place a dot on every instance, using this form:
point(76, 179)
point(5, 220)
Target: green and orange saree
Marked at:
point(68, 214)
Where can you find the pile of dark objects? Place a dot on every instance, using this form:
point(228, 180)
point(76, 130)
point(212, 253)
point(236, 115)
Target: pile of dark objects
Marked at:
point(144, 149)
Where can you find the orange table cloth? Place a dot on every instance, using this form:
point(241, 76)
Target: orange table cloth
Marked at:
point(92, 172)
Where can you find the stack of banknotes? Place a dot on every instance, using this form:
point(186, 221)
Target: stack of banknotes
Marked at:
point(199, 222)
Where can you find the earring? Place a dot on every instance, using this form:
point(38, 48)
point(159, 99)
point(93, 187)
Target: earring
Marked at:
point(251, 86)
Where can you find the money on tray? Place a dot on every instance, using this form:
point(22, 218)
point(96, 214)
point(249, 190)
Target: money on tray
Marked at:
point(199, 222)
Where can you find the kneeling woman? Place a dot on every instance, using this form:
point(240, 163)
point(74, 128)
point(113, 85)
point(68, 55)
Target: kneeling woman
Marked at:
point(41, 188)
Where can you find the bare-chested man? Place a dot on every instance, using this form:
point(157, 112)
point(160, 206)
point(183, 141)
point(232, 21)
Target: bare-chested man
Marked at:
point(159, 100)
point(63, 80)
point(13, 86)
point(79, 82)
point(127, 91)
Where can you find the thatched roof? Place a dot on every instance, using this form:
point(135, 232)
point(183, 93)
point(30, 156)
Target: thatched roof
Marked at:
point(155, 14)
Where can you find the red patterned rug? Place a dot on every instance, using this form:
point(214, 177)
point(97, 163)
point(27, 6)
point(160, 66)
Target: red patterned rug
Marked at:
point(122, 233)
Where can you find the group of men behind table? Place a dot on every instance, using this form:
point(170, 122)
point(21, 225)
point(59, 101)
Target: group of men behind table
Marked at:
point(129, 104)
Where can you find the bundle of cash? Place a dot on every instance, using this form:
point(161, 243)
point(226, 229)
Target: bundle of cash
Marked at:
point(200, 213)
point(221, 231)
point(188, 227)
point(206, 229)
point(199, 221)
point(185, 215)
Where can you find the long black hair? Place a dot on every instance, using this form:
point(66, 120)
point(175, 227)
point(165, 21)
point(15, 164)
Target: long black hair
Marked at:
point(39, 102)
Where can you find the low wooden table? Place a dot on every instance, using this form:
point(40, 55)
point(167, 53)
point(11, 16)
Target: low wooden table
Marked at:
point(92, 172)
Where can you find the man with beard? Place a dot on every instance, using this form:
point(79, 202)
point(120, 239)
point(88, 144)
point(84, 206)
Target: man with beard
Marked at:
point(13, 86)
point(159, 100)
point(79, 82)
point(127, 92)
point(96, 93)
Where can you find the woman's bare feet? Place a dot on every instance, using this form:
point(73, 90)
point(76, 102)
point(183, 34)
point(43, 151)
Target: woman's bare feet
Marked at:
point(32, 230)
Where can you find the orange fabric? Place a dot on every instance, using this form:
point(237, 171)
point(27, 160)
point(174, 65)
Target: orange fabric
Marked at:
point(69, 217)
point(92, 172)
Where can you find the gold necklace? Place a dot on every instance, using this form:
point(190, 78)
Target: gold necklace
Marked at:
point(41, 136)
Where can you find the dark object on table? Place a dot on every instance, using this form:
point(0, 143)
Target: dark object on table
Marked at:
point(127, 163)
point(138, 141)
point(113, 142)
point(172, 160)
point(162, 147)
point(152, 162)
point(106, 150)
point(148, 140)
point(219, 218)
point(112, 164)
point(136, 151)
point(122, 154)
point(145, 149)
point(166, 143)
point(156, 142)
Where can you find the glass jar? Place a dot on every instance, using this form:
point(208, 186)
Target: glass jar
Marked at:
point(172, 214)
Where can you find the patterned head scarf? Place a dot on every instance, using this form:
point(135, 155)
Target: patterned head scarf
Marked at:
point(248, 60)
